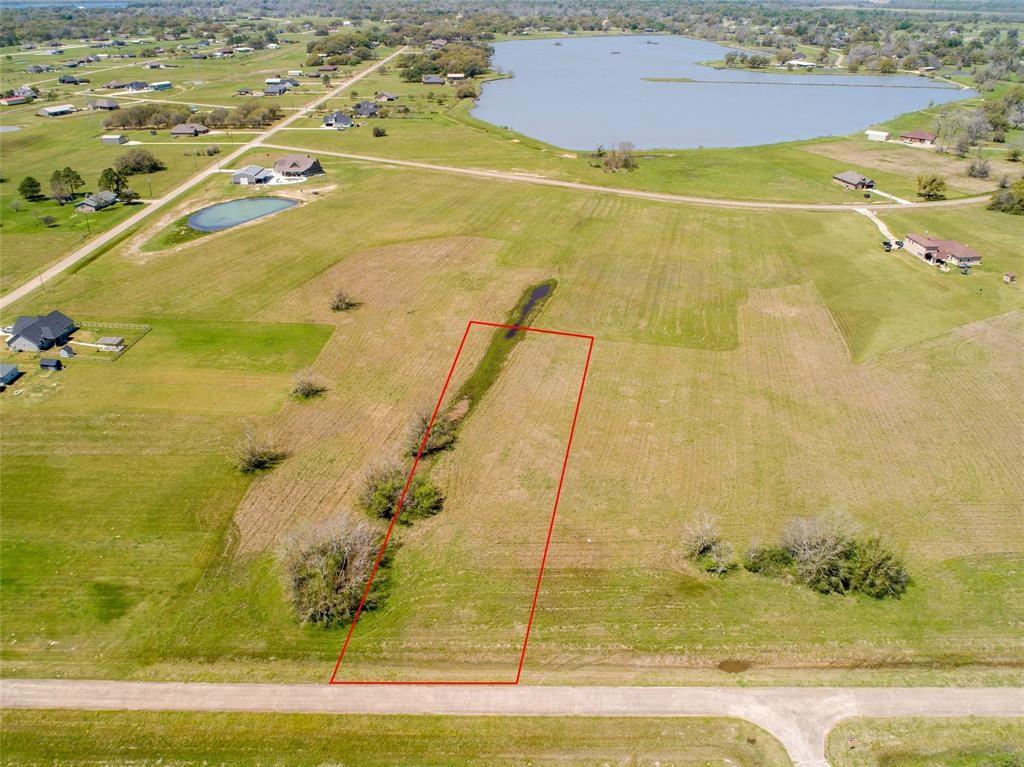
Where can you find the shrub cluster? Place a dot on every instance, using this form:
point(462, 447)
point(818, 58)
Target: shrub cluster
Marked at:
point(383, 486)
point(255, 452)
point(819, 552)
point(442, 434)
point(327, 570)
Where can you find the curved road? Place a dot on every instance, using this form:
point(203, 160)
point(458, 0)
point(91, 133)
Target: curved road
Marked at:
point(800, 717)
point(717, 202)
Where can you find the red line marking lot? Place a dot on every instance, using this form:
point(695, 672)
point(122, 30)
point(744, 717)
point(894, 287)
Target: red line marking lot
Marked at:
point(334, 679)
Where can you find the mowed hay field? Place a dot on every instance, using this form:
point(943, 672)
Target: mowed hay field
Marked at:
point(753, 365)
point(128, 738)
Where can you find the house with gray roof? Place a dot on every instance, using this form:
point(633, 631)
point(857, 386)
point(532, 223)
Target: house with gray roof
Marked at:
point(432, 80)
point(34, 334)
point(8, 373)
point(365, 109)
point(252, 174)
point(338, 120)
point(108, 105)
point(95, 202)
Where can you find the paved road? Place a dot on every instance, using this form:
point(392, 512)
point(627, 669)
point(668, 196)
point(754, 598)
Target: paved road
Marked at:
point(93, 245)
point(526, 178)
point(799, 717)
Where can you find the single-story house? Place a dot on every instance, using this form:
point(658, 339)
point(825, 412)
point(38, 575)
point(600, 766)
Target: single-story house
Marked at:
point(385, 96)
point(37, 69)
point(11, 101)
point(152, 65)
point(432, 80)
point(95, 202)
point(327, 68)
point(851, 179)
point(162, 85)
point(918, 137)
point(295, 165)
point(115, 85)
point(8, 373)
point(277, 89)
point(67, 80)
point(365, 109)
point(243, 49)
point(252, 174)
point(106, 104)
point(800, 64)
point(66, 352)
point(189, 129)
point(137, 85)
point(936, 251)
point(33, 334)
point(48, 364)
point(56, 111)
point(27, 91)
point(338, 120)
point(272, 81)
point(455, 77)
point(113, 139)
point(877, 135)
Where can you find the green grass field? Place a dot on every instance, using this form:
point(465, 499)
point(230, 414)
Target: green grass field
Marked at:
point(756, 366)
point(927, 743)
point(81, 738)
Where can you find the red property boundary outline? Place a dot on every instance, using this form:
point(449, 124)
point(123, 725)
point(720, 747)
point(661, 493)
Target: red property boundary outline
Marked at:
point(408, 483)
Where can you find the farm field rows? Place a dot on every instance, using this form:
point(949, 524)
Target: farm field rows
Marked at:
point(755, 367)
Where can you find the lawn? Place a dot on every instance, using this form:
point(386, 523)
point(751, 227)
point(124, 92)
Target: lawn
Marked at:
point(439, 128)
point(970, 742)
point(134, 458)
point(755, 366)
point(83, 738)
point(29, 245)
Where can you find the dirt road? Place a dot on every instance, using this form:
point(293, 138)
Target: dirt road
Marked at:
point(93, 245)
point(799, 717)
point(525, 178)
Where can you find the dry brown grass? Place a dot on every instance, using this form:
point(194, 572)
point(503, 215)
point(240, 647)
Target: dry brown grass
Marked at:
point(386, 359)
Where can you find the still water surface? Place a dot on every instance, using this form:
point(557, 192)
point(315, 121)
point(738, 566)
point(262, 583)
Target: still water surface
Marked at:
point(592, 90)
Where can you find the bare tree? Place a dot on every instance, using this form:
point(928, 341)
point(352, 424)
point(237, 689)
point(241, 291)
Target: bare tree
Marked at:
point(700, 536)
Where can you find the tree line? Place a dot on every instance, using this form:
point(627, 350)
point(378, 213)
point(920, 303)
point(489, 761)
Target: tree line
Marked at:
point(251, 113)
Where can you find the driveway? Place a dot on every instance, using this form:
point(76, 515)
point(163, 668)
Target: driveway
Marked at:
point(800, 717)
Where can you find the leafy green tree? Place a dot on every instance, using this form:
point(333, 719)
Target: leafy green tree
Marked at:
point(30, 188)
point(931, 186)
point(73, 179)
point(137, 161)
point(112, 181)
point(887, 66)
point(383, 486)
point(59, 188)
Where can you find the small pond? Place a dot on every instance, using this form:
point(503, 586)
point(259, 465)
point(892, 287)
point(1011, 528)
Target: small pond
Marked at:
point(225, 215)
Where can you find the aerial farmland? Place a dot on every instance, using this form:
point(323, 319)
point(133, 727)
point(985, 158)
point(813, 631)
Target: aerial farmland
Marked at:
point(418, 422)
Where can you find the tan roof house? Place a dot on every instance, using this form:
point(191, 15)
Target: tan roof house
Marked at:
point(294, 165)
point(851, 179)
point(935, 251)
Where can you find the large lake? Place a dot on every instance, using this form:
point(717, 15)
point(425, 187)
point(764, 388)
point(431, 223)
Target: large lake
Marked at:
point(580, 94)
